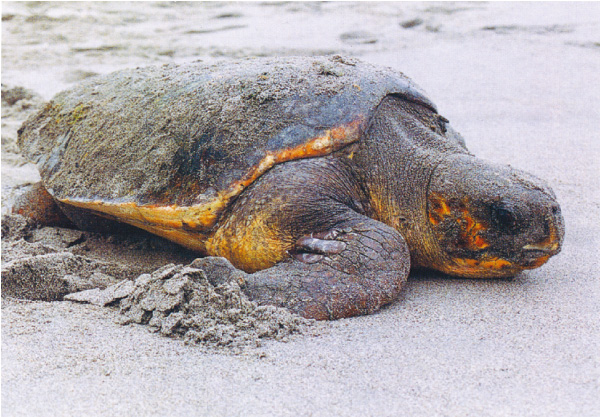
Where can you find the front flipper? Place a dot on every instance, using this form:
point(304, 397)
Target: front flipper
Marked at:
point(300, 233)
point(351, 270)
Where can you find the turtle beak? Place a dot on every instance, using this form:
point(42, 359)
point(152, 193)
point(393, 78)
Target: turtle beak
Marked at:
point(552, 249)
point(537, 253)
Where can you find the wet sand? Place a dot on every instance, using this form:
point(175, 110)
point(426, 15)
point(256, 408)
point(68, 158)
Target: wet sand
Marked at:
point(519, 81)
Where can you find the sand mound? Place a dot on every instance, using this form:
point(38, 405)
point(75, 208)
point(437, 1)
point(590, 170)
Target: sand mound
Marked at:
point(202, 303)
point(180, 301)
point(47, 263)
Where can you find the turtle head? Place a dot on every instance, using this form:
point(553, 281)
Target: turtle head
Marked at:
point(489, 220)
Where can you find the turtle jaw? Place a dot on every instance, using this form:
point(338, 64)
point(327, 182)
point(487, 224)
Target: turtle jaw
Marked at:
point(491, 266)
point(483, 264)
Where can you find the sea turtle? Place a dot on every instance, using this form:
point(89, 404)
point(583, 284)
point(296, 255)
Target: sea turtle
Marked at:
point(323, 179)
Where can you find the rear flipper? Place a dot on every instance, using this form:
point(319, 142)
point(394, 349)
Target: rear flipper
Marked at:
point(349, 271)
point(38, 205)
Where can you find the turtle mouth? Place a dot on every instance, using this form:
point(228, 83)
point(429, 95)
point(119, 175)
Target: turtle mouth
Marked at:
point(552, 249)
point(535, 255)
point(487, 264)
point(530, 252)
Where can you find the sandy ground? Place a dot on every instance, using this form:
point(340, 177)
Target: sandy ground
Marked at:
point(519, 81)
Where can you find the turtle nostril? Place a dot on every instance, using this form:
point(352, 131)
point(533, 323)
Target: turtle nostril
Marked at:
point(547, 227)
point(555, 210)
point(553, 220)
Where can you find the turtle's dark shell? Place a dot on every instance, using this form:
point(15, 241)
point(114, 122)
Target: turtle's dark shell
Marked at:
point(174, 145)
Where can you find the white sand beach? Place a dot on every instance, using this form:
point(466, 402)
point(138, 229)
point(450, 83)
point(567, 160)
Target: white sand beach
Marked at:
point(521, 83)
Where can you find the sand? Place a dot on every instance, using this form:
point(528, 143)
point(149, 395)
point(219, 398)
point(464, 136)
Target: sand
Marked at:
point(519, 81)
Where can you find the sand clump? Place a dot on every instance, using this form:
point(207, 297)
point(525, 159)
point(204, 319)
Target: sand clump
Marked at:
point(202, 303)
point(180, 301)
point(18, 103)
point(47, 263)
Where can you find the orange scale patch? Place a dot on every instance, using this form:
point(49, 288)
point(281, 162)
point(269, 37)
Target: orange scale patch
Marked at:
point(489, 267)
point(439, 209)
point(470, 232)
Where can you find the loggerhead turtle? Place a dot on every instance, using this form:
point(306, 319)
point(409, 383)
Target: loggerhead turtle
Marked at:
point(324, 179)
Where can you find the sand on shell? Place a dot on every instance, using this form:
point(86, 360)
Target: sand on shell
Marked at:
point(518, 81)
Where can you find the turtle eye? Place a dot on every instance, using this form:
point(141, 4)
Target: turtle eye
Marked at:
point(504, 219)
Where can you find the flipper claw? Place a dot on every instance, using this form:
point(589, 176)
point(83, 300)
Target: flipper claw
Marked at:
point(320, 246)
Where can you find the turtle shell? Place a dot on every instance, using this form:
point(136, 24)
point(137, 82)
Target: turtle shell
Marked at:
point(169, 148)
